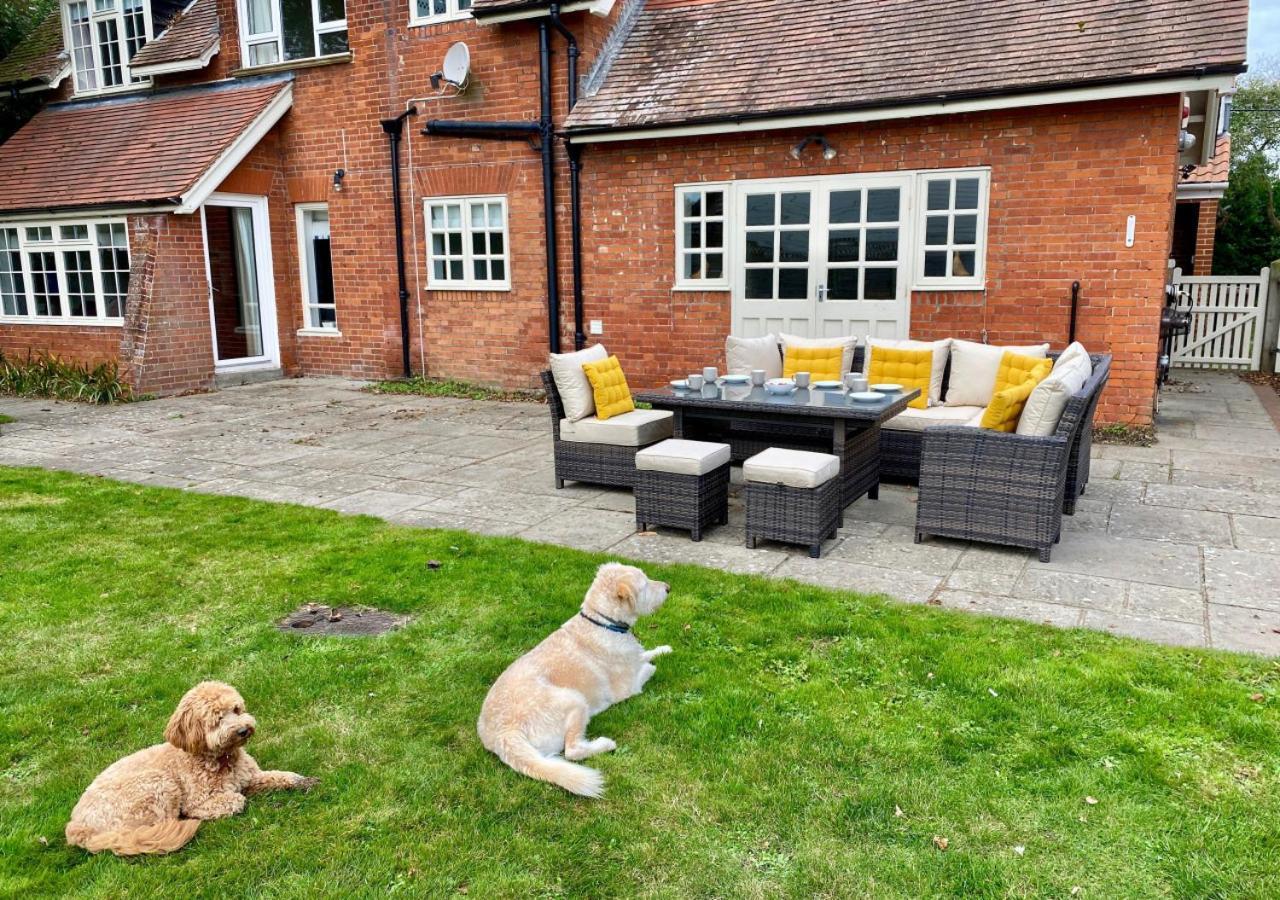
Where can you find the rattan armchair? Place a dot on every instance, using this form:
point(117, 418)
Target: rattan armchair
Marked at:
point(605, 464)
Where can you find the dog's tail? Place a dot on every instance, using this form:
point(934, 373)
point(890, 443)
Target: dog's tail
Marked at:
point(163, 837)
point(516, 751)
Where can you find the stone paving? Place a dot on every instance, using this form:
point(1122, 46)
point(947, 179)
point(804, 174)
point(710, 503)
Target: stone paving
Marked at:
point(1177, 543)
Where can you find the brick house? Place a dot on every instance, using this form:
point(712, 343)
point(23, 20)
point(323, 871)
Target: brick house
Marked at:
point(210, 191)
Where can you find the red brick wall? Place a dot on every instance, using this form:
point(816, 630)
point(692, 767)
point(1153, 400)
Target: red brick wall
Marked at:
point(1206, 231)
point(1063, 181)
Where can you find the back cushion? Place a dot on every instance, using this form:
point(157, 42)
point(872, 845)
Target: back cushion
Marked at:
point(822, 363)
point(974, 368)
point(609, 388)
point(846, 345)
point(1044, 407)
point(575, 390)
point(741, 355)
point(1005, 408)
point(1016, 368)
point(941, 350)
point(909, 368)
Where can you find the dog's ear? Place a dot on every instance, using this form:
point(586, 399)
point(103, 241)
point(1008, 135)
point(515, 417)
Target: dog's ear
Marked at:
point(626, 592)
point(186, 726)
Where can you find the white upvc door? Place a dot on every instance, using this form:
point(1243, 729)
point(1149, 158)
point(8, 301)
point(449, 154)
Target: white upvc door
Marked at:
point(823, 257)
point(244, 238)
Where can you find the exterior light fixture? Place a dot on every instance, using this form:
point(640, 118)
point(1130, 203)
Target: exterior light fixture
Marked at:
point(337, 179)
point(828, 152)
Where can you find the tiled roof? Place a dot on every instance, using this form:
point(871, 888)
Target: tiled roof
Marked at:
point(1215, 172)
point(136, 149)
point(38, 59)
point(710, 60)
point(192, 34)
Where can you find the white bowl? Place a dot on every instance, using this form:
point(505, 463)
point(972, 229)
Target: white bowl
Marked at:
point(887, 388)
point(866, 396)
point(680, 385)
point(780, 386)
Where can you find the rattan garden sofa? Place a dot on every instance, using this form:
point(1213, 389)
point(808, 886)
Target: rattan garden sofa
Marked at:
point(1004, 488)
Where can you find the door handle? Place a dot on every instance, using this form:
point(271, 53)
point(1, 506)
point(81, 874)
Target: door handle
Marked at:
point(822, 293)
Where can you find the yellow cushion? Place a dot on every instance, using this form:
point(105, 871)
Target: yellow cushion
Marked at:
point(909, 368)
point(1016, 368)
point(613, 397)
point(1016, 379)
point(822, 363)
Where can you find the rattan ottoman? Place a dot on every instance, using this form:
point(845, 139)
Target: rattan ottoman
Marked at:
point(682, 484)
point(793, 496)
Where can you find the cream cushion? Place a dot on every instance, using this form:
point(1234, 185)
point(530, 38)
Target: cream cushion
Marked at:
point(1076, 351)
point(741, 355)
point(974, 367)
point(1045, 405)
point(633, 429)
point(576, 395)
point(911, 419)
point(940, 350)
point(793, 468)
point(846, 345)
point(680, 457)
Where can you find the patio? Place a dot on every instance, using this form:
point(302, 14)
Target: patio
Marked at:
point(1177, 543)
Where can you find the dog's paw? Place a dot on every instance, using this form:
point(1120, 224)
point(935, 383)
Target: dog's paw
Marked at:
point(660, 651)
point(603, 745)
point(306, 782)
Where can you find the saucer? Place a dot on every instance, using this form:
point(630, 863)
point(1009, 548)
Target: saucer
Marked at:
point(866, 396)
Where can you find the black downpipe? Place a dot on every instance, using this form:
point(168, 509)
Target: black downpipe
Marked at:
point(1075, 303)
point(395, 131)
point(546, 138)
point(575, 182)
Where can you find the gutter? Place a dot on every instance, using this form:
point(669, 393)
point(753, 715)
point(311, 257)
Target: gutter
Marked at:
point(132, 207)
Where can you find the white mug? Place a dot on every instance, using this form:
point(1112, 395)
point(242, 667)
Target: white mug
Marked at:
point(855, 382)
point(710, 374)
point(802, 379)
point(757, 377)
point(695, 382)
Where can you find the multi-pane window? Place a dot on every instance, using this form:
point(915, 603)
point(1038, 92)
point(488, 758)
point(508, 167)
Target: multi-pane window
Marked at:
point(863, 244)
point(275, 31)
point(700, 237)
point(103, 36)
point(775, 251)
point(425, 11)
point(467, 244)
point(72, 272)
point(953, 229)
point(319, 304)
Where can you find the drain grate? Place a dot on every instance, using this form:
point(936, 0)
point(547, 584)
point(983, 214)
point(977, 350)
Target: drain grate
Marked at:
point(340, 621)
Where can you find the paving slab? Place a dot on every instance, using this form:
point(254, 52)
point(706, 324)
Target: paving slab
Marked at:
point(912, 587)
point(1157, 601)
point(1260, 534)
point(1010, 608)
point(1157, 523)
point(1125, 559)
point(1242, 578)
point(1242, 628)
point(1182, 634)
point(598, 531)
point(1211, 499)
point(1070, 589)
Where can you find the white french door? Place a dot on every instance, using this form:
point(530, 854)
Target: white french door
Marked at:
point(822, 257)
point(242, 301)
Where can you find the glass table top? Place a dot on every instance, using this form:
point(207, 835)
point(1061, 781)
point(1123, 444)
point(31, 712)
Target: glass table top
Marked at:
point(802, 400)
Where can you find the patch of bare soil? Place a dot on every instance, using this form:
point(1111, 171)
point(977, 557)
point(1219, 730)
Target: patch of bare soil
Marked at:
point(1132, 435)
point(1173, 386)
point(340, 621)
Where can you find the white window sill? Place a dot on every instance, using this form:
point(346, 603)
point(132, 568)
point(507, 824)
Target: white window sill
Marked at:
point(949, 286)
point(483, 286)
point(48, 320)
point(439, 20)
point(309, 62)
point(319, 332)
point(709, 287)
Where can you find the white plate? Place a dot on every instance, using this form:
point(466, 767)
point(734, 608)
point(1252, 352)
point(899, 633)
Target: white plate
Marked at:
point(866, 396)
point(828, 385)
point(680, 385)
point(887, 388)
point(735, 379)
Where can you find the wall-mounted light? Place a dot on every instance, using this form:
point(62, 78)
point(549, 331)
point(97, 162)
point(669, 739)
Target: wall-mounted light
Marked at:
point(337, 179)
point(828, 152)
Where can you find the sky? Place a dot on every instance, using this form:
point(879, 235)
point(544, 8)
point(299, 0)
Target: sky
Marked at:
point(1264, 32)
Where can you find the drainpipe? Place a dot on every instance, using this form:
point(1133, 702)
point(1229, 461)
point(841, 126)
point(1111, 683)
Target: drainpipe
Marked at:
point(394, 129)
point(575, 180)
point(1075, 304)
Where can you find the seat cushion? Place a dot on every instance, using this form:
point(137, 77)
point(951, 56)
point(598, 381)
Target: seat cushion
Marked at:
point(632, 429)
point(1044, 407)
point(941, 350)
point(793, 468)
point(846, 345)
point(919, 419)
point(609, 388)
point(910, 368)
point(575, 391)
point(741, 355)
point(822, 363)
point(974, 367)
point(680, 457)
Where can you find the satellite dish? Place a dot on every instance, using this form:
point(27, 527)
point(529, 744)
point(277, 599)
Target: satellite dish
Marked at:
point(457, 65)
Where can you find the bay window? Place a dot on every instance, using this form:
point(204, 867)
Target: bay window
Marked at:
point(103, 36)
point(67, 273)
point(275, 31)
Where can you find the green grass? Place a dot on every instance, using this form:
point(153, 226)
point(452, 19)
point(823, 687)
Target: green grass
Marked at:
point(445, 387)
point(768, 756)
point(5, 420)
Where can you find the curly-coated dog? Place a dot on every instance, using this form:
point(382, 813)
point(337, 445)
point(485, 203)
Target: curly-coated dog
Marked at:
point(154, 800)
point(539, 707)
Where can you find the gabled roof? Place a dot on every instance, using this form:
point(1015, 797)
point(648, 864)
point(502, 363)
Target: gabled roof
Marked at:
point(168, 149)
point(699, 61)
point(39, 61)
point(190, 41)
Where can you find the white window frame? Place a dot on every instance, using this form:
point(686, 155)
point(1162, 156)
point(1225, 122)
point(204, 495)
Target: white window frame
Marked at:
point(59, 246)
point(978, 280)
point(468, 282)
point(305, 265)
point(726, 219)
point(276, 35)
point(452, 14)
point(115, 13)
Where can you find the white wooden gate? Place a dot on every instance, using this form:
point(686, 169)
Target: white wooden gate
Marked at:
point(1227, 315)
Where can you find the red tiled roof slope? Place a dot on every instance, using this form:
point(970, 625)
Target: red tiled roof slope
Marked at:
point(139, 149)
point(39, 58)
point(1218, 167)
point(191, 34)
point(717, 60)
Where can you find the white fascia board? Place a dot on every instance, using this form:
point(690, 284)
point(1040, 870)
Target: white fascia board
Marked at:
point(182, 65)
point(1204, 190)
point(600, 8)
point(223, 166)
point(918, 110)
point(49, 85)
point(96, 212)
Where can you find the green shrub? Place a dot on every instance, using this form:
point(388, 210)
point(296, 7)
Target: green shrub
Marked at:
point(44, 375)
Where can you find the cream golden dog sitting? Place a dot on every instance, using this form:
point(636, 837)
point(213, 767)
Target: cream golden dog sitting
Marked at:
point(154, 800)
point(539, 707)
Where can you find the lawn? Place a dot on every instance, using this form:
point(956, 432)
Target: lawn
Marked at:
point(799, 742)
